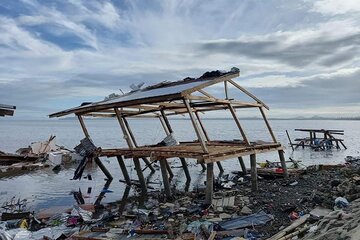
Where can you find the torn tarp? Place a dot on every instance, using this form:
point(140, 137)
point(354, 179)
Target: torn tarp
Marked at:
point(255, 219)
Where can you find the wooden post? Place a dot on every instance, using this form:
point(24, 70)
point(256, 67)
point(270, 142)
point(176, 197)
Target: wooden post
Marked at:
point(124, 170)
point(123, 128)
point(242, 165)
point(196, 127)
point(81, 120)
point(146, 161)
point(166, 120)
point(168, 168)
point(267, 124)
point(209, 183)
point(226, 90)
point(164, 125)
point(221, 169)
point(165, 177)
point(238, 124)
point(291, 144)
point(96, 159)
point(203, 166)
point(140, 175)
point(283, 163)
point(254, 180)
point(186, 169)
point(202, 127)
point(103, 168)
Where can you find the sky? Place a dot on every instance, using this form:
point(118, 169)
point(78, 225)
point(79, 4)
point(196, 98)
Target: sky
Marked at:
point(300, 57)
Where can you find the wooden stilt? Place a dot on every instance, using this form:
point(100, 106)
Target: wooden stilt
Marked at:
point(238, 124)
point(186, 169)
point(134, 143)
point(203, 166)
point(226, 90)
point(81, 120)
point(242, 165)
point(103, 168)
point(254, 180)
point(96, 159)
point(202, 127)
point(166, 120)
point(124, 170)
point(283, 163)
point(140, 175)
point(165, 177)
point(209, 182)
point(196, 127)
point(164, 125)
point(221, 169)
point(168, 168)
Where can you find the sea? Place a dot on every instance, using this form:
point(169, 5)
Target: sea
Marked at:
point(44, 188)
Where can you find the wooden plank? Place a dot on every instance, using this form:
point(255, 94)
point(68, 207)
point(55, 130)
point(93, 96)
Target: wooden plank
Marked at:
point(82, 124)
point(123, 128)
point(209, 83)
point(238, 124)
point(248, 93)
point(267, 124)
point(196, 127)
point(288, 136)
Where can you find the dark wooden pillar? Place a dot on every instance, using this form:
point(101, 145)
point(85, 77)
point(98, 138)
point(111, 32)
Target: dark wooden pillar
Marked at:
point(96, 159)
point(242, 165)
point(186, 169)
point(254, 180)
point(283, 163)
point(165, 177)
point(209, 182)
point(124, 170)
point(140, 175)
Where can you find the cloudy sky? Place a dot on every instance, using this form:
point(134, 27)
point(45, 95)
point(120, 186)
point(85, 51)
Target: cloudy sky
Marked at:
point(300, 57)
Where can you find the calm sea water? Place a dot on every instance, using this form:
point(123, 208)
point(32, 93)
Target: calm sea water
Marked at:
point(44, 188)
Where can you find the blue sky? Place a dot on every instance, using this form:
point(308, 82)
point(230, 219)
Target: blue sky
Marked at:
point(300, 57)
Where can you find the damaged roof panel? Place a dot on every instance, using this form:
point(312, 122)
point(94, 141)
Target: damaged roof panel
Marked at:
point(165, 91)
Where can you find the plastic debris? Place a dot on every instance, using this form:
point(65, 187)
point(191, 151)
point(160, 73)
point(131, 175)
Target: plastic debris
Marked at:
point(256, 219)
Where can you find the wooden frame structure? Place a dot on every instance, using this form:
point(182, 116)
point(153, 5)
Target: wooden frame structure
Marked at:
point(326, 140)
point(6, 110)
point(184, 97)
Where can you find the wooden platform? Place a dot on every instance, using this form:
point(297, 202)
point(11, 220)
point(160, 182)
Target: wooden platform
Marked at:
point(218, 150)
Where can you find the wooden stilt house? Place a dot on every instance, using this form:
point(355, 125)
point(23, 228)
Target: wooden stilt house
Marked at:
point(185, 97)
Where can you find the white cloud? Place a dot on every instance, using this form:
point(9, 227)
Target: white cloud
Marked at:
point(334, 7)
